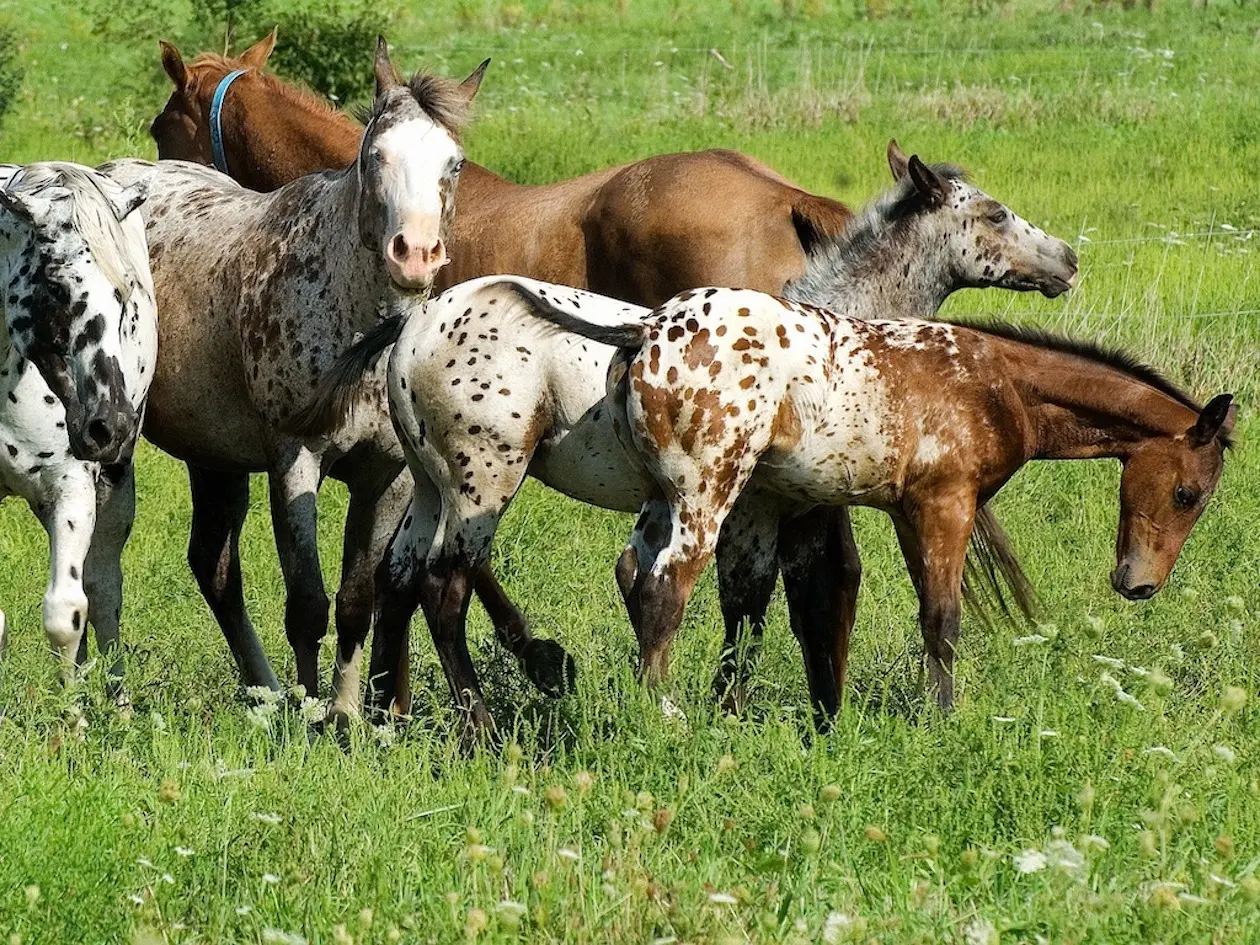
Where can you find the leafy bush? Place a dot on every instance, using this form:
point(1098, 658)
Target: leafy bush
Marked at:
point(328, 44)
point(10, 71)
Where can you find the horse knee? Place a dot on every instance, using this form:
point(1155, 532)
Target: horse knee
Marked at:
point(306, 615)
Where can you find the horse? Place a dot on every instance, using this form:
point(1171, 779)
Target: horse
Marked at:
point(721, 392)
point(258, 293)
point(482, 394)
point(77, 357)
point(641, 232)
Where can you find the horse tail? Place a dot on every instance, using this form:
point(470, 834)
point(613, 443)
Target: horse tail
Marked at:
point(993, 571)
point(620, 335)
point(817, 220)
point(330, 405)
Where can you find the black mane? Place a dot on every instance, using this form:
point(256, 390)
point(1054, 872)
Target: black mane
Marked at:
point(441, 99)
point(1089, 350)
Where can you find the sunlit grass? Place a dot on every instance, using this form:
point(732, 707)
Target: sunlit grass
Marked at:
point(1099, 781)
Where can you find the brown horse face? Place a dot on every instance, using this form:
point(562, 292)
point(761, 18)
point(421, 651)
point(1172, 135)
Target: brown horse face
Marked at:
point(1165, 486)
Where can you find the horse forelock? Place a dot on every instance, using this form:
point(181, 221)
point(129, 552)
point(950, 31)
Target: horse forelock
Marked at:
point(442, 100)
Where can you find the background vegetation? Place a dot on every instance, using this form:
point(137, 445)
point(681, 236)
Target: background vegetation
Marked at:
point(1100, 780)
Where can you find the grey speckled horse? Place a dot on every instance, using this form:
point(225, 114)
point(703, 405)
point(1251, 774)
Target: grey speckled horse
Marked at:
point(258, 294)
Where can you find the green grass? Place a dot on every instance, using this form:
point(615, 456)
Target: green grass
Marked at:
point(714, 829)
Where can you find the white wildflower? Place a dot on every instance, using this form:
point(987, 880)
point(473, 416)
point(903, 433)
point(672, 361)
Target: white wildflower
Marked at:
point(671, 711)
point(264, 694)
point(836, 928)
point(1225, 753)
point(1093, 841)
point(270, 819)
point(168, 879)
point(520, 789)
point(723, 899)
point(136, 900)
point(1121, 696)
point(311, 710)
point(280, 937)
point(1029, 861)
point(980, 931)
point(568, 853)
point(1160, 750)
point(507, 906)
point(244, 910)
point(145, 862)
point(1109, 661)
point(1064, 857)
point(184, 851)
point(1004, 719)
point(1048, 733)
point(1033, 639)
point(271, 879)
point(1192, 899)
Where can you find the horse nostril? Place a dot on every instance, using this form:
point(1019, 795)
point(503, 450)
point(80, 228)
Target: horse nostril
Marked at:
point(1142, 592)
point(436, 252)
point(98, 432)
point(398, 247)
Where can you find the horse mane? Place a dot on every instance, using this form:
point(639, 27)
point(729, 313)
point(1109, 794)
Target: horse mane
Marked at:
point(292, 93)
point(833, 260)
point(441, 99)
point(94, 218)
point(1095, 352)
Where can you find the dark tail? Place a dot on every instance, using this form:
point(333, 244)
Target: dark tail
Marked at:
point(994, 579)
point(330, 404)
point(626, 335)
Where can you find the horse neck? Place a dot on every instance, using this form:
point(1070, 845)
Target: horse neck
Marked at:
point(1081, 409)
point(273, 138)
point(877, 271)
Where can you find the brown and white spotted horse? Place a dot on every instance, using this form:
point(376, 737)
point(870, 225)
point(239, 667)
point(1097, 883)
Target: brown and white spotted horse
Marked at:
point(482, 393)
point(259, 293)
point(77, 352)
point(725, 392)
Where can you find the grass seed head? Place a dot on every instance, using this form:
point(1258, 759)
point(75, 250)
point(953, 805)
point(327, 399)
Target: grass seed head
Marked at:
point(556, 796)
point(1233, 698)
point(875, 834)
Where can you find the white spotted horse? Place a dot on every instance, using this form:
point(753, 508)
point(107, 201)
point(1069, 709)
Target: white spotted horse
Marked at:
point(724, 393)
point(482, 392)
point(77, 356)
point(259, 293)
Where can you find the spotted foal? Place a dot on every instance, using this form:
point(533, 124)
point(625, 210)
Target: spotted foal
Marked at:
point(725, 392)
point(481, 394)
point(76, 358)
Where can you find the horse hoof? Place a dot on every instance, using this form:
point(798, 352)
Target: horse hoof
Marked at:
point(549, 667)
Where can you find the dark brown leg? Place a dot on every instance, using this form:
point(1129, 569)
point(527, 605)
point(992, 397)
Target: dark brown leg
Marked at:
point(822, 573)
point(545, 662)
point(220, 502)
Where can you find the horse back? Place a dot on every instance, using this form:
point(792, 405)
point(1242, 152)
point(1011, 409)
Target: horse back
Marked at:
point(708, 218)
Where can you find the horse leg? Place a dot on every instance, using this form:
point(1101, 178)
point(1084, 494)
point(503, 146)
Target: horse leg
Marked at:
point(375, 509)
point(821, 576)
point(747, 569)
point(934, 533)
point(545, 662)
point(103, 577)
point(294, 484)
point(397, 596)
point(220, 502)
point(69, 518)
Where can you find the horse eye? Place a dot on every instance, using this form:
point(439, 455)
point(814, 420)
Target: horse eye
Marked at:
point(1185, 498)
point(998, 216)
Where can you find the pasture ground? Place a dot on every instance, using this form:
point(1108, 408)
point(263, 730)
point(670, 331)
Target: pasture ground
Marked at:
point(1046, 809)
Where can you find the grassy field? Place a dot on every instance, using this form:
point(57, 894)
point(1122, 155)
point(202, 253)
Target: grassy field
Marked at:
point(1046, 809)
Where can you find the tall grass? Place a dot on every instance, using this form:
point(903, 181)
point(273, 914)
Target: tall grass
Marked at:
point(1099, 781)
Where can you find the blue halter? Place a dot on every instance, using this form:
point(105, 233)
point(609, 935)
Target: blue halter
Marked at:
point(216, 126)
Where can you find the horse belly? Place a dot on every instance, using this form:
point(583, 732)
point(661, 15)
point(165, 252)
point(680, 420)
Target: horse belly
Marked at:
point(588, 463)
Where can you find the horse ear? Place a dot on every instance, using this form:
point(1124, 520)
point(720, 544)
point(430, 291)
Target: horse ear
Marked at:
point(173, 63)
point(470, 85)
point(1215, 420)
point(897, 160)
point(257, 55)
point(17, 206)
point(927, 182)
point(130, 198)
point(386, 77)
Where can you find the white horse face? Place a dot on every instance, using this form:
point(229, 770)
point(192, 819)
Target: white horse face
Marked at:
point(988, 244)
point(67, 285)
point(409, 163)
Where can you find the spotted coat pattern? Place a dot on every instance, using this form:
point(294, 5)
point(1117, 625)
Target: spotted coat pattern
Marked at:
point(77, 354)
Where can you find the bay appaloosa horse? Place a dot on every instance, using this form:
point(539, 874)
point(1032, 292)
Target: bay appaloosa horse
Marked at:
point(77, 356)
point(258, 294)
point(482, 393)
point(722, 393)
